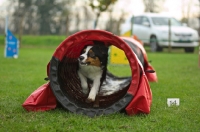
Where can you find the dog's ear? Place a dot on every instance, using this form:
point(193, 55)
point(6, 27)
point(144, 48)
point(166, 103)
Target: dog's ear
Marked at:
point(101, 47)
point(101, 51)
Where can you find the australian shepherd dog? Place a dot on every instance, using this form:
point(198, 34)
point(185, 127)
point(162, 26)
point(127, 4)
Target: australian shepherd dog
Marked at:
point(93, 67)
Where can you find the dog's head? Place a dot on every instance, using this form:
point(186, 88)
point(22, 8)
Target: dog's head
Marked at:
point(94, 55)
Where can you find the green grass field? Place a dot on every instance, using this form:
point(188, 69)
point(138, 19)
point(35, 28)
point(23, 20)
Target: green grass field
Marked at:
point(178, 77)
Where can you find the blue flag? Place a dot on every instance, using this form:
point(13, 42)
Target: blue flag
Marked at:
point(12, 45)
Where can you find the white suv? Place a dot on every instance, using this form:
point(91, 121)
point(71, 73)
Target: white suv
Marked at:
point(153, 29)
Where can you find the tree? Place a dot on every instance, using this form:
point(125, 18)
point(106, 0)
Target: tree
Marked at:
point(86, 16)
point(41, 16)
point(47, 11)
point(63, 18)
point(99, 6)
point(22, 10)
point(153, 6)
point(189, 9)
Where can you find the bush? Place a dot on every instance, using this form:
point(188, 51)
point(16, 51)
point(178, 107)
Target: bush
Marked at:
point(31, 40)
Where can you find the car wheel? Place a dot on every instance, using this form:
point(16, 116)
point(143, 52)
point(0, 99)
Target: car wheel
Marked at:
point(189, 49)
point(154, 44)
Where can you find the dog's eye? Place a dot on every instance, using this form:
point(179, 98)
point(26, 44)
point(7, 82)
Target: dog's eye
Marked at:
point(91, 54)
point(83, 51)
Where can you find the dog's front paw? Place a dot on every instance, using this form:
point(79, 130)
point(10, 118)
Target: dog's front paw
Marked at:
point(91, 98)
point(88, 100)
point(85, 90)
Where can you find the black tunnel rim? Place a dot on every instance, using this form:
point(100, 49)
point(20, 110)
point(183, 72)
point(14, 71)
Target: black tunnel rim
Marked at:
point(86, 35)
point(71, 106)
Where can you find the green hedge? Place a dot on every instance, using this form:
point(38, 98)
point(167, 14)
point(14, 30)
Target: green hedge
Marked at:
point(48, 40)
point(2, 40)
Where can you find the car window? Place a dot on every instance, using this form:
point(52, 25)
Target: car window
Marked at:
point(137, 20)
point(145, 21)
point(160, 21)
point(175, 22)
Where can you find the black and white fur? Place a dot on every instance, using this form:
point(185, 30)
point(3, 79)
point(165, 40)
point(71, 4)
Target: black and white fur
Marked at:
point(93, 66)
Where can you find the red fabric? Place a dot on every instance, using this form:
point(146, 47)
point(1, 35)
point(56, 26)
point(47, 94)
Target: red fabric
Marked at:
point(71, 47)
point(136, 38)
point(74, 43)
point(142, 100)
point(41, 99)
point(152, 77)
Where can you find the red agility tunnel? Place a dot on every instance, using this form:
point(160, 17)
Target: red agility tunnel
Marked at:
point(64, 87)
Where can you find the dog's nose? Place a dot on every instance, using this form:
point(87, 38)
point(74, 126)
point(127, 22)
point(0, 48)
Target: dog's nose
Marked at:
point(81, 58)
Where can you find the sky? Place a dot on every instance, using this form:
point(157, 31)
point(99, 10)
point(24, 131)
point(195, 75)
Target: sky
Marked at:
point(170, 7)
point(1, 2)
point(135, 7)
point(173, 8)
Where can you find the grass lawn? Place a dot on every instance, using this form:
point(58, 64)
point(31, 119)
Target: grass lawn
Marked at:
point(178, 74)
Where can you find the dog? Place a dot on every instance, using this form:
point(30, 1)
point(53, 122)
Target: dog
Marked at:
point(93, 67)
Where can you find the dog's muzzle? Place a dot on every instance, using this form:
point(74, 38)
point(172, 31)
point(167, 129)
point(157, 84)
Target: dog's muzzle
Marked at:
point(81, 58)
point(81, 61)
